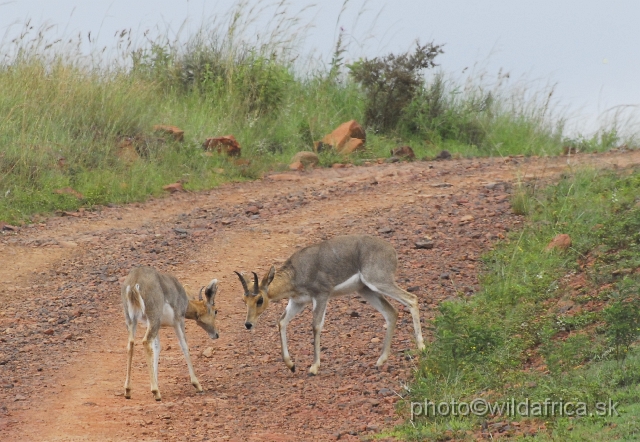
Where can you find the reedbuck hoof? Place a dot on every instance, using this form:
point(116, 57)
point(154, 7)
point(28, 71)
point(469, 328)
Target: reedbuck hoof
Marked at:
point(290, 365)
point(314, 370)
point(198, 387)
point(127, 393)
point(156, 395)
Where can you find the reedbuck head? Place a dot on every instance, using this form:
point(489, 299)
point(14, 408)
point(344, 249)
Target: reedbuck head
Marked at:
point(205, 310)
point(256, 299)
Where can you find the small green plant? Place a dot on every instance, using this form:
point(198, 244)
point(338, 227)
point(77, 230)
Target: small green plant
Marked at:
point(391, 83)
point(521, 202)
point(622, 320)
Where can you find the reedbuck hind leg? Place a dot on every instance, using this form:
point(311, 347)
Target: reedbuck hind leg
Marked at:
point(151, 344)
point(390, 315)
point(131, 327)
point(319, 310)
point(405, 298)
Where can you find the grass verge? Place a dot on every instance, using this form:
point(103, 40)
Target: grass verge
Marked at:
point(549, 326)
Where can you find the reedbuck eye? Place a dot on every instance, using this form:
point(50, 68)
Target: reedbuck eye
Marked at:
point(215, 312)
point(260, 301)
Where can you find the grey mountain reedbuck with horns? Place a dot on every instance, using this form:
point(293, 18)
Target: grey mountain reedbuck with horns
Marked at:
point(159, 300)
point(339, 266)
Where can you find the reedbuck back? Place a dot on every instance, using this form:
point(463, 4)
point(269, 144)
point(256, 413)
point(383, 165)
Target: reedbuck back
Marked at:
point(339, 266)
point(159, 300)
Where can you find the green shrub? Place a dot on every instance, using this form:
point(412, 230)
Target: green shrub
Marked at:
point(391, 83)
point(622, 319)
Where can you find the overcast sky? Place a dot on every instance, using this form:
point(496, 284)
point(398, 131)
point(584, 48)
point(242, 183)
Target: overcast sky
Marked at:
point(589, 48)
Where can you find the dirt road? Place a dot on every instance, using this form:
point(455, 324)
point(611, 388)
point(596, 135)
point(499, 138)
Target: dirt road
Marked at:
point(62, 333)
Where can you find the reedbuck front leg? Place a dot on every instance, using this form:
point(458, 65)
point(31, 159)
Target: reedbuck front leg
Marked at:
point(179, 329)
point(293, 308)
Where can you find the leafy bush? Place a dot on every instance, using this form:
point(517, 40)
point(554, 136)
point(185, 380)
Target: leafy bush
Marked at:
point(392, 82)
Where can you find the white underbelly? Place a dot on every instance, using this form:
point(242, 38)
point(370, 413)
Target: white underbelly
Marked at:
point(353, 284)
point(168, 316)
point(166, 320)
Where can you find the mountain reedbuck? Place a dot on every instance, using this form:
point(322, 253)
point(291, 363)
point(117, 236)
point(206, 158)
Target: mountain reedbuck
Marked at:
point(158, 300)
point(339, 266)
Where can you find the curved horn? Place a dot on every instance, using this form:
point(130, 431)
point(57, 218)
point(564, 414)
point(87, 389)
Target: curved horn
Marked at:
point(244, 283)
point(211, 290)
point(200, 294)
point(255, 283)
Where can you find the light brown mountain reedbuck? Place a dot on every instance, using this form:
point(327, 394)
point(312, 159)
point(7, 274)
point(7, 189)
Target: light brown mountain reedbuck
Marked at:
point(159, 300)
point(338, 266)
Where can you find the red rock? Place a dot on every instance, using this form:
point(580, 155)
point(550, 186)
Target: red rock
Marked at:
point(403, 152)
point(284, 177)
point(565, 305)
point(226, 144)
point(466, 219)
point(176, 132)
point(69, 191)
point(64, 213)
point(353, 145)
point(7, 227)
point(173, 188)
point(561, 242)
point(296, 166)
point(48, 331)
point(338, 166)
point(127, 151)
point(307, 159)
point(342, 135)
point(252, 210)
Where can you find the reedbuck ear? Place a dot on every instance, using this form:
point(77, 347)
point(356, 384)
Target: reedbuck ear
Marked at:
point(244, 284)
point(268, 277)
point(210, 291)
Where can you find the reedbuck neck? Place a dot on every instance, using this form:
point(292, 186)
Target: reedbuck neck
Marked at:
point(159, 300)
point(339, 266)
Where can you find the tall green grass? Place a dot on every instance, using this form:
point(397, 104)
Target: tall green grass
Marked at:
point(64, 113)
